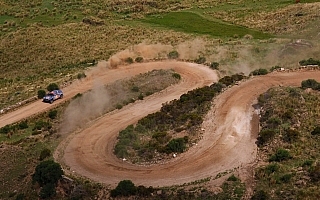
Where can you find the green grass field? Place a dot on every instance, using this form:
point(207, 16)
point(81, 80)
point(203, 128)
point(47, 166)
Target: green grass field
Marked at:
point(193, 23)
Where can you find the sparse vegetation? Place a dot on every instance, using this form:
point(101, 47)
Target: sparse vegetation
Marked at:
point(260, 71)
point(290, 116)
point(184, 114)
point(44, 42)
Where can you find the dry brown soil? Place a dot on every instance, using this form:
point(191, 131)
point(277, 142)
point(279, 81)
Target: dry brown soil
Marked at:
point(228, 132)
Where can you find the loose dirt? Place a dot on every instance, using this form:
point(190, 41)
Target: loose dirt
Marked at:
point(229, 133)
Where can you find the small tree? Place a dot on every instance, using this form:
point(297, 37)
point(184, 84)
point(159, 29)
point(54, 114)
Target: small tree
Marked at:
point(47, 191)
point(52, 114)
point(139, 59)
point(41, 94)
point(214, 65)
point(124, 188)
point(45, 153)
point(52, 86)
point(173, 55)
point(47, 172)
point(280, 155)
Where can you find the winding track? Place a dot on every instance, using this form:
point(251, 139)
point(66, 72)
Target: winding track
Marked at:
point(228, 140)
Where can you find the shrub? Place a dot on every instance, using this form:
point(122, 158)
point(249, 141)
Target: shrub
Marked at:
point(310, 61)
point(290, 135)
point(232, 178)
point(280, 155)
point(173, 55)
point(23, 125)
point(260, 195)
point(45, 153)
point(47, 191)
point(265, 136)
point(119, 106)
point(52, 86)
point(47, 172)
point(77, 96)
point(140, 97)
point(135, 88)
point(275, 68)
point(310, 83)
point(176, 145)
point(81, 75)
point(200, 60)
point(52, 114)
point(176, 75)
point(41, 94)
point(269, 169)
point(124, 188)
point(139, 59)
point(129, 60)
point(260, 71)
point(286, 178)
point(143, 191)
point(214, 65)
point(315, 173)
point(42, 125)
point(6, 129)
point(316, 131)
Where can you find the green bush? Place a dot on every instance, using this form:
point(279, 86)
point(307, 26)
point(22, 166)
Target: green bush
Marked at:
point(315, 173)
point(129, 60)
point(269, 169)
point(260, 71)
point(200, 60)
point(290, 135)
point(41, 94)
point(285, 178)
point(214, 65)
point(232, 178)
point(45, 153)
point(139, 59)
point(23, 125)
point(47, 172)
point(265, 136)
point(176, 75)
point(280, 155)
point(135, 88)
point(81, 75)
point(140, 97)
point(52, 86)
point(124, 188)
point(119, 106)
point(47, 191)
point(42, 125)
point(173, 55)
point(52, 114)
point(142, 191)
point(176, 145)
point(310, 83)
point(316, 131)
point(260, 195)
point(310, 61)
point(275, 68)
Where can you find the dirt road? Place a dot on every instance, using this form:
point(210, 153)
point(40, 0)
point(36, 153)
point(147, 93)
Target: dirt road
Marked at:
point(228, 139)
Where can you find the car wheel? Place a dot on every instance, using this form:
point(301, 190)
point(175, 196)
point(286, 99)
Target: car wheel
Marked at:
point(51, 101)
point(61, 96)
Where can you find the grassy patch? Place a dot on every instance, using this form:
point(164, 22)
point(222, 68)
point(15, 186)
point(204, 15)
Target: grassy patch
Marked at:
point(193, 23)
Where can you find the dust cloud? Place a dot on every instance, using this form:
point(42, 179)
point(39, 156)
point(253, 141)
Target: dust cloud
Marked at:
point(85, 108)
point(187, 51)
point(236, 126)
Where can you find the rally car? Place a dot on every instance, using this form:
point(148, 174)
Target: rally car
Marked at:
point(52, 96)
